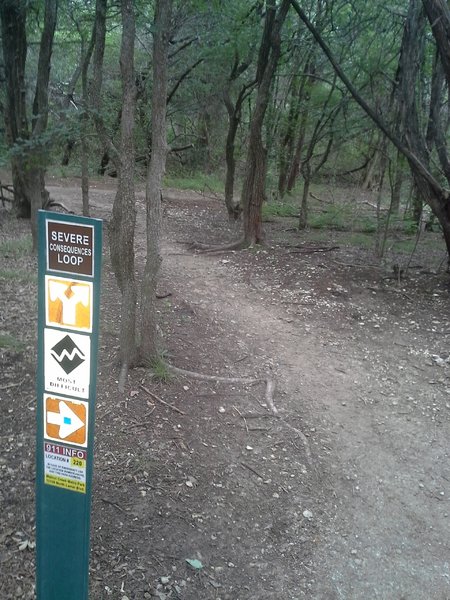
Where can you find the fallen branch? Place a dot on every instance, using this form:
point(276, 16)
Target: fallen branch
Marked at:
point(312, 250)
point(252, 470)
point(374, 206)
point(213, 249)
point(320, 199)
point(158, 399)
point(106, 501)
point(10, 385)
point(53, 203)
point(356, 266)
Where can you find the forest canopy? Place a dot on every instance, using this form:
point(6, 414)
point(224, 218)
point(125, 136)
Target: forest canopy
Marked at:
point(355, 93)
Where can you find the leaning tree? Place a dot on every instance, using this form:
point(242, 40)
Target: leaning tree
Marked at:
point(420, 144)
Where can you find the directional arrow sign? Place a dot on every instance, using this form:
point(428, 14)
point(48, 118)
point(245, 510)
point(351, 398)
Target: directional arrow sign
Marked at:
point(66, 419)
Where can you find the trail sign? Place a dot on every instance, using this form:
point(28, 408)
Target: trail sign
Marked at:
point(70, 247)
point(70, 250)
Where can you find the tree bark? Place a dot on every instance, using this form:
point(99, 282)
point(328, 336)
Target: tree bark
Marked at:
point(253, 190)
point(234, 208)
point(28, 162)
point(84, 123)
point(149, 347)
point(123, 221)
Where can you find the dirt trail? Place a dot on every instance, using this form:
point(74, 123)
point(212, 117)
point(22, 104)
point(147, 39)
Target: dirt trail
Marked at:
point(387, 535)
point(360, 376)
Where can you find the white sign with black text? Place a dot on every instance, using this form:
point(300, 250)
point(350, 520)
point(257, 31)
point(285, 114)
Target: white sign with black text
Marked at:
point(67, 363)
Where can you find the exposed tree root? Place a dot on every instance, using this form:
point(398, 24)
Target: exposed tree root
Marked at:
point(270, 390)
point(270, 384)
point(304, 439)
point(161, 401)
point(123, 377)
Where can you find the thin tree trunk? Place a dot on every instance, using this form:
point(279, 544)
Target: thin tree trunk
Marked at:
point(123, 221)
point(295, 166)
point(234, 208)
point(39, 196)
point(396, 185)
point(84, 126)
point(381, 231)
point(303, 218)
point(253, 190)
point(149, 346)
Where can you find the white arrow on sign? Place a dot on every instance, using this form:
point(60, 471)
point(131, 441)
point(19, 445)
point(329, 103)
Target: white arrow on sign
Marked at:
point(67, 420)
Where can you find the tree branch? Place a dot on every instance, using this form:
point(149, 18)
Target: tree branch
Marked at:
point(414, 160)
point(182, 78)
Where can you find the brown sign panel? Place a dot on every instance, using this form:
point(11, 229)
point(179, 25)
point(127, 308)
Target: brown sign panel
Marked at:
point(70, 248)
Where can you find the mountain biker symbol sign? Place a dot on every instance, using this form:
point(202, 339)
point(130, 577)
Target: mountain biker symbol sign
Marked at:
point(67, 361)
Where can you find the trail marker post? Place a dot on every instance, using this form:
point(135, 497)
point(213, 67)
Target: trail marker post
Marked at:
point(70, 252)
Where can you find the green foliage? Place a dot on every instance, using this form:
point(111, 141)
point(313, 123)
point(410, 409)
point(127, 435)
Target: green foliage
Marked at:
point(199, 182)
point(279, 209)
point(160, 371)
point(21, 276)
point(9, 342)
point(342, 218)
point(17, 248)
point(409, 226)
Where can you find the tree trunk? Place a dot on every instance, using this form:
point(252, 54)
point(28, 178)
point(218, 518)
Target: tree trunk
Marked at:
point(84, 125)
point(295, 167)
point(396, 185)
point(149, 347)
point(234, 208)
point(287, 141)
point(14, 45)
point(123, 221)
point(253, 191)
point(39, 196)
point(28, 165)
point(303, 218)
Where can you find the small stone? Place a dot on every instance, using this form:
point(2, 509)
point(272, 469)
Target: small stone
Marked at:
point(307, 514)
point(164, 580)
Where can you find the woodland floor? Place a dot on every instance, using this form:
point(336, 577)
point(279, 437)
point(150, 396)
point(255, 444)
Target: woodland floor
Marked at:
point(345, 494)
